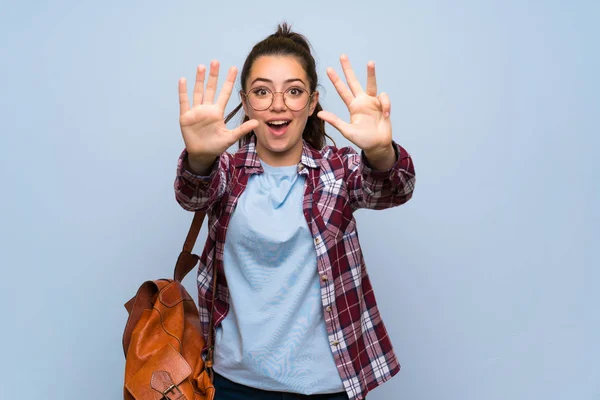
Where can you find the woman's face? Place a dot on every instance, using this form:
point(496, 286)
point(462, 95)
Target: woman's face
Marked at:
point(279, 134)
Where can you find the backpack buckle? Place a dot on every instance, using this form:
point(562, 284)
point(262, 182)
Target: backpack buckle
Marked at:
point(171, 389)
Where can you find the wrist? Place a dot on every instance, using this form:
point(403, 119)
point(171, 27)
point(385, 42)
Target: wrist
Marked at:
point(199, 165)
point(381, 159)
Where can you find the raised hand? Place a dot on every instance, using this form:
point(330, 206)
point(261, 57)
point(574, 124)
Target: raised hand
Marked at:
point(202, 126)
point(370, 128)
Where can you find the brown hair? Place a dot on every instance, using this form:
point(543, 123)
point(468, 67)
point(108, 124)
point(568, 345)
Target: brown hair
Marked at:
point(285, 42)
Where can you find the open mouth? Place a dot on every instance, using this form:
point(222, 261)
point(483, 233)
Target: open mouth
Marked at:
point(278, 127)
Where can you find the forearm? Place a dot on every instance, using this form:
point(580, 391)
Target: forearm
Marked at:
point(387, 183)
point(195, 191)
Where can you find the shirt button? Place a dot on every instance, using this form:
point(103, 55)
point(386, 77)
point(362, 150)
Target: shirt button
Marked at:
point(328, 309)
point(335, 343)
point(317, 240)
point(324, 277)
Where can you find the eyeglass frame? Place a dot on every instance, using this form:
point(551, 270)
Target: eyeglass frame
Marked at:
point(273, 99)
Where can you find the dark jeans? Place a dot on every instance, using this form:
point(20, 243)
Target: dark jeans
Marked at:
point(228, 390)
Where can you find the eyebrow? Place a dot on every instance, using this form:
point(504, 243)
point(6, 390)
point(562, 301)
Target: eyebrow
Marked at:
point(270, 81)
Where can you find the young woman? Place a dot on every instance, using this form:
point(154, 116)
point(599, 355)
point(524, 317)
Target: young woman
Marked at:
point(295, 313)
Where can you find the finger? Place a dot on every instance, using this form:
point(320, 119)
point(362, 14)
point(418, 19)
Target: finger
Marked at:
point(243, 129)
point(371, 80)
point(336, 122)
point(184, 104)
point(211, 86)
point(386, 105)
point(350, 77)
point(340, 86)
point(199, 85)
point(227, 88)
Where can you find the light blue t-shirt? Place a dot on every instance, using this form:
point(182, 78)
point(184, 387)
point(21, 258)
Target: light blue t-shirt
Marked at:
point(274, 335)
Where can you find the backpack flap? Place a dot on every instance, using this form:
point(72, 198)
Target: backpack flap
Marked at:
point(160, 376)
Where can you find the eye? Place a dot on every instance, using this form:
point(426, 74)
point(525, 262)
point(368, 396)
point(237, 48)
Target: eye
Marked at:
point(295, 91)
point(261, 92)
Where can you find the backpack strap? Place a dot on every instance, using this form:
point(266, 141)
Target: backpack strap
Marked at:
point(185, 263)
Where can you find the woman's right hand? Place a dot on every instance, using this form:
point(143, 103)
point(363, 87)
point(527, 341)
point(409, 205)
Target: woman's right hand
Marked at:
point(204, 132)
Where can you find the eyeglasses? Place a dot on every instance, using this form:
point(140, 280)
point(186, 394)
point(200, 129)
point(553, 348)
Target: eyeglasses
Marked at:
point(294, 98)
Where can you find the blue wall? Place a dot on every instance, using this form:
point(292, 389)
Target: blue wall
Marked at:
point(487, 279)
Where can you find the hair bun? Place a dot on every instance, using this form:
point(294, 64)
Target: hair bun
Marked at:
point(284, 31)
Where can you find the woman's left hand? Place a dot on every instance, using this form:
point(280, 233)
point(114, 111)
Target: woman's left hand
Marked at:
point(370, 128)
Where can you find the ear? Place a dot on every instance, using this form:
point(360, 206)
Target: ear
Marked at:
point(313, 102)
point(244, 101)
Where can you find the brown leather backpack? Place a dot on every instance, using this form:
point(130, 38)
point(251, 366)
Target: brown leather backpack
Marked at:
point(162, 339)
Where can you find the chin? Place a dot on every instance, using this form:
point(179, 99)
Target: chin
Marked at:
point(279, 144)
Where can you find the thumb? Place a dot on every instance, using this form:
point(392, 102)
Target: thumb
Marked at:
point(243, 129)
point(335, 121)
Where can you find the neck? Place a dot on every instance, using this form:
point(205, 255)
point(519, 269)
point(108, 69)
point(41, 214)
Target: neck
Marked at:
point(280, 159)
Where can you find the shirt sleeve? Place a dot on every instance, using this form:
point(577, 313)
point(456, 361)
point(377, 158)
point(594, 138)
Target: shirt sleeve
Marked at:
point(369, 188)
point(199, 193)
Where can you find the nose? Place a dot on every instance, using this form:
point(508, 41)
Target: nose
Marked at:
point(278, 103)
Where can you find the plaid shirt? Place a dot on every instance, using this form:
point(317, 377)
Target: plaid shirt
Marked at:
point(338, 181)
